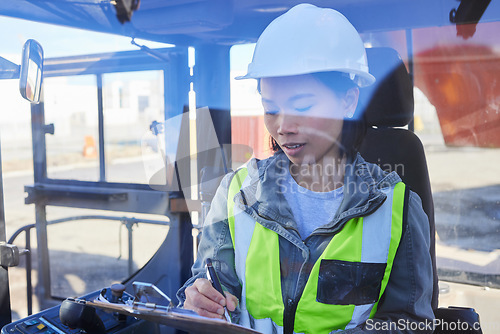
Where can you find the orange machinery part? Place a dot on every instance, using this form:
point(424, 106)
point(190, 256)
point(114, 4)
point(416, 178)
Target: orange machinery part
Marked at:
point(463, 83)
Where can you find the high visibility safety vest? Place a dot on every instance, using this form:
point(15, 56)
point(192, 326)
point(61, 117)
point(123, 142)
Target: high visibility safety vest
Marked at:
point(344, 285)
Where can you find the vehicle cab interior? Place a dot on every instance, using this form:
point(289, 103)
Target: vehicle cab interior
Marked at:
point(160, 127)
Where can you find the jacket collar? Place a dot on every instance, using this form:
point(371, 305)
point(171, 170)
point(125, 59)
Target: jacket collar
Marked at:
point(264, 199)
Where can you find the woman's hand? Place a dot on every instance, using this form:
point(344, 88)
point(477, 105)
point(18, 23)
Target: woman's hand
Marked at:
point(202, 298)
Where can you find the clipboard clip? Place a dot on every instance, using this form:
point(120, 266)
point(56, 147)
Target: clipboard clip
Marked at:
point(149, 298)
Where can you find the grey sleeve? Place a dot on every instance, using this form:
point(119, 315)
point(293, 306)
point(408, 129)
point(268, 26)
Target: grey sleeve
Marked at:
point(405, 306)
point(216, 244)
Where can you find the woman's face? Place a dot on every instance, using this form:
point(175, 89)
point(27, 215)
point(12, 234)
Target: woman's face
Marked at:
point(305, 117)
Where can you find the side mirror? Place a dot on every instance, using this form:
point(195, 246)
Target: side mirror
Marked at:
point(30, 79)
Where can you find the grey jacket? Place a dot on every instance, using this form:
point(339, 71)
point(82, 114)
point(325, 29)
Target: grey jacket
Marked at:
point(406, 303)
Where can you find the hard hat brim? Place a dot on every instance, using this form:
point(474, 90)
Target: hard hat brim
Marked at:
point(362, 79)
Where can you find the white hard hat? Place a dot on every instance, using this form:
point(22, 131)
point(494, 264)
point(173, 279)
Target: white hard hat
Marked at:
point(308, 39)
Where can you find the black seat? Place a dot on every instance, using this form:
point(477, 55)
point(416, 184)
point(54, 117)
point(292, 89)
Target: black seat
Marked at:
point(388, 106)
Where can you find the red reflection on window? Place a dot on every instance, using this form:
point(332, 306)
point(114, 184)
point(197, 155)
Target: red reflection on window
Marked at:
point(463, 83)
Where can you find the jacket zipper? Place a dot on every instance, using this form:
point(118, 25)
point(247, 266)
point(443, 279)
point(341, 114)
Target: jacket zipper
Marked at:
point(289, 316)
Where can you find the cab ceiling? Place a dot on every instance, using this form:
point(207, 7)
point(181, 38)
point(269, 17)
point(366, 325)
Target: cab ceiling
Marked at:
point(192, 22)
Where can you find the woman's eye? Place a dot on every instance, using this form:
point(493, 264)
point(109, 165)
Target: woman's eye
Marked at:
point(303, 109)
point(271, 112)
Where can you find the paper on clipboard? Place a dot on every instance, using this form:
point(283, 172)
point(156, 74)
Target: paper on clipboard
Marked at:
point(151, 304)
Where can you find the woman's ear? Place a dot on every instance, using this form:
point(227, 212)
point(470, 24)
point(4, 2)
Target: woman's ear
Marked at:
point(351, 102)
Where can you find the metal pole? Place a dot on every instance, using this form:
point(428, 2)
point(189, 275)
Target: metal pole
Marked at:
point(176, 93)
point(38, 142)
point(409, 47)
point(176, 102)
point(100, 113)
point(43, 286)
point(130, 227)
point(40, 175)
point(29, 284)
point(212, 88)
point(5, 311)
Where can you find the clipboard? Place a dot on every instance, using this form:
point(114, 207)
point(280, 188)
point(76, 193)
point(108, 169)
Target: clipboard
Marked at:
point(144, 306)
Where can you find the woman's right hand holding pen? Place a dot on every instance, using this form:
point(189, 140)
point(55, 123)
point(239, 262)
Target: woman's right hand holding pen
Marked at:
point(205, 300)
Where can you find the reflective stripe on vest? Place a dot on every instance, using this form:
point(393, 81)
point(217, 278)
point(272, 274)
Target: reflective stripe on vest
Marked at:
point(370, 240)
point(250, 236)
point(234, 188)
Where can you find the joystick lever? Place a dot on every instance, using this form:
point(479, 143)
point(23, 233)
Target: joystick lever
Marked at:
point(75, 313)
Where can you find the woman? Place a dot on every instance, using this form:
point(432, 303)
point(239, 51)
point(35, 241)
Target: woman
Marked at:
point(314, 239)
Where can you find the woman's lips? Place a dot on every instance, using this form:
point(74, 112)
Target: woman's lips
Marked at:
point(292, 148)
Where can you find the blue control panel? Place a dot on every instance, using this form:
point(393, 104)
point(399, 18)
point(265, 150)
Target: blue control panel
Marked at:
point(48, 322)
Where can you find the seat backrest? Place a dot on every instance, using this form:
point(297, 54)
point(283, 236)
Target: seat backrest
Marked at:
point(388, 105)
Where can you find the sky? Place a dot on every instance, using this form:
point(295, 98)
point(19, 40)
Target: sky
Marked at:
point(59, 41)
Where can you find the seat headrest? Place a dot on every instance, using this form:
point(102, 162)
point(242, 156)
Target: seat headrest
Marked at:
point(389, 101)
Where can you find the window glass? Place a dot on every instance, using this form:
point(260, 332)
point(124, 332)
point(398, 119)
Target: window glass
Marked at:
point(71, 106)
point(132, 101)
point(457, 118)
point(84, 262)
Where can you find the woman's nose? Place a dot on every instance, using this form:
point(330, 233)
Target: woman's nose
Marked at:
point(287, 123)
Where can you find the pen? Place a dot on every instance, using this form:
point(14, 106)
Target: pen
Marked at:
point(214, 279)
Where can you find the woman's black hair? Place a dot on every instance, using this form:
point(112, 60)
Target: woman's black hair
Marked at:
point(353, 129)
